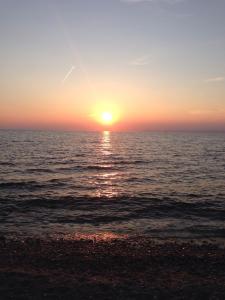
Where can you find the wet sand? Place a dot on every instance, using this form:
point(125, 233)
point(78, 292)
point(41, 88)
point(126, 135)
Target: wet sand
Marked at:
point(134, 268)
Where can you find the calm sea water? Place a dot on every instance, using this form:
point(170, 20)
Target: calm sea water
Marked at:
point(156, 184)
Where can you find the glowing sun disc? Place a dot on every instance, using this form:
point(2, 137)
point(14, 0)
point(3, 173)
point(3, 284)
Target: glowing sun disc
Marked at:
point(106, 118)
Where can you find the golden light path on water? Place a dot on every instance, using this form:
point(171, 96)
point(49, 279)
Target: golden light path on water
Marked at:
point(106, 178)
point(105, 182)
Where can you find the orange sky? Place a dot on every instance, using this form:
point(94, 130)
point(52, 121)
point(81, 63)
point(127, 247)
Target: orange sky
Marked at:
point(153, 67)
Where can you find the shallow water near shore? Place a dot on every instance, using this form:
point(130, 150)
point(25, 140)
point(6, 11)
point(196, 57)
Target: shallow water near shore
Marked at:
point(160, 185)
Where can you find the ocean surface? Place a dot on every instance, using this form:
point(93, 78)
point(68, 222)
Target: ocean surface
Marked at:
point(156, 184)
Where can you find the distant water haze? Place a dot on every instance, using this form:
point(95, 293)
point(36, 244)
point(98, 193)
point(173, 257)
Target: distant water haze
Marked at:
point(150, 183)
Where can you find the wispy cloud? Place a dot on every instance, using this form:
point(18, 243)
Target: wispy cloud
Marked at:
point(215, 79)
point(141, 61)
point(68, 74)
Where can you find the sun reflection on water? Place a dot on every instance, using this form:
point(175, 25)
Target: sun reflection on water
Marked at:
point(105, 179)
point(106, 143)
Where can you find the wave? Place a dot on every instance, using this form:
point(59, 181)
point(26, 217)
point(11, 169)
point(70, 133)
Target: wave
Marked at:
point(7, 163)
point(32, 184)
point(88, 168)
point(127, 208)
point(152, 215)
point(99, 167)
point(17, 185)
point(106, 165)
point(39, 170)
point(129, 162)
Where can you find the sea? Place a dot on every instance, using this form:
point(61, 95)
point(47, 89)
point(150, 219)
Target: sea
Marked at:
point(155, 184)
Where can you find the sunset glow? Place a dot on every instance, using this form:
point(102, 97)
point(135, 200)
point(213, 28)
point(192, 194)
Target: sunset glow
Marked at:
point(106, 114)
point(112, 126)
point(106, 71)
point(107, 118)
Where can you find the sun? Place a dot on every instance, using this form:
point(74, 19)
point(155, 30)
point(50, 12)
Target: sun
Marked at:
point(106, 114)
point(106, 118)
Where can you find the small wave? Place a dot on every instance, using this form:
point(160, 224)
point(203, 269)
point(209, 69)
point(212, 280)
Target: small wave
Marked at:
point(136, 179)
point(129, 207)
point(205, 231)
point(16, 185)
point(152, 215)
point(99, 167)
point(40, 170)
point(79, 155)
point(106, 165)
point(129, 162)
point(88, 168)
point(67, 162)
point(7, 163)
point(28, 141)
point(32, 184)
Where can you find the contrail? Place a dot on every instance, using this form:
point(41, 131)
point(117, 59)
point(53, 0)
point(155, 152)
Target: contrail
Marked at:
point(75, 53)
point(68, 74)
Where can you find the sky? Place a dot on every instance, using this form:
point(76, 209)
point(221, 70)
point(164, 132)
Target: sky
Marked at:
point(152, 64)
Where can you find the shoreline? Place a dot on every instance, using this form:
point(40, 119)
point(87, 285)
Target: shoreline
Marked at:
point(125, 268)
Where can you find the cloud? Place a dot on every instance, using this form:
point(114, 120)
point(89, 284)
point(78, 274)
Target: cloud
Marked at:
point(215, 79)
point(141, 61)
